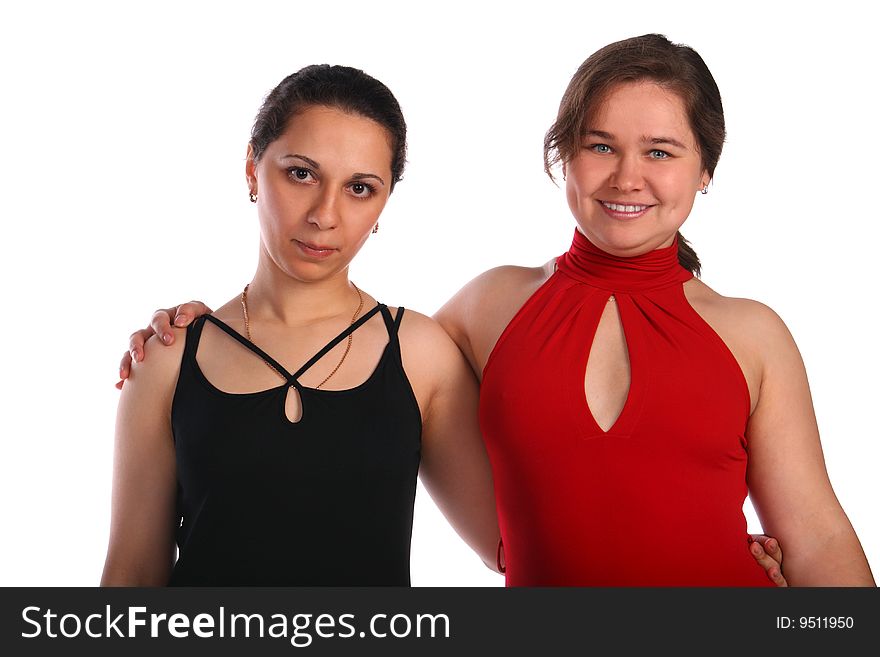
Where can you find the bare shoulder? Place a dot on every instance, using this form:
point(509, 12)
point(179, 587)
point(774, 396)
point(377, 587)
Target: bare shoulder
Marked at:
point(756, 336)
point(746, 316)
point(478, 313)
point(229, 312)
point(502, 280)
point(159, 352)
point(431, 359)
point(161, 363)
point(423, 338)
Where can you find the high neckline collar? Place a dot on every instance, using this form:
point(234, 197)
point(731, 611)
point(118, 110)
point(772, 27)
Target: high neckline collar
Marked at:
point(589, 264)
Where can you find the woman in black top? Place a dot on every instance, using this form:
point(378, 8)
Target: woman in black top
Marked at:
point(278, 441)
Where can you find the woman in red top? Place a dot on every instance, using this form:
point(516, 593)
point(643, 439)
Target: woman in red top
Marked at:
point(623, 400)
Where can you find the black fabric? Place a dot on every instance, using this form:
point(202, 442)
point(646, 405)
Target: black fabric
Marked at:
point(326, 501)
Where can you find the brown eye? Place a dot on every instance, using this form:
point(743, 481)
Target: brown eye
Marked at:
point(300, 174)
point(361, 190)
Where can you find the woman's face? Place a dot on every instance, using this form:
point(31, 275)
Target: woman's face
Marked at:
point(321, 186)
point(632, 183)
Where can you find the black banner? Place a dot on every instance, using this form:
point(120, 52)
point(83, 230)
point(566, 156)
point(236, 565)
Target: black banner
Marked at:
point(430, 621)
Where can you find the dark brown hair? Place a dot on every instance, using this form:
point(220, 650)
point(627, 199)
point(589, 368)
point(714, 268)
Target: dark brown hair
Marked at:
point(341, 87)
point(650, 57)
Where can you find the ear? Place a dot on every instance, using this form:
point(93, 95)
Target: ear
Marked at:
point(250, 170)
point(705, 179)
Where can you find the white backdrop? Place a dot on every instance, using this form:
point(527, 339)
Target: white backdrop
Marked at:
point(124, 129)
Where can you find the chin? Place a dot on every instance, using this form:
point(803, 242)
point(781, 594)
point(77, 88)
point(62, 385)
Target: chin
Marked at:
point(622, 240)
point(307, 272)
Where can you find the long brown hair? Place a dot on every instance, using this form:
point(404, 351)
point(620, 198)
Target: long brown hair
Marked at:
point(653, 57)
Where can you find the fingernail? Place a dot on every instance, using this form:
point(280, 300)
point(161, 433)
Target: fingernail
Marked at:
point(756, 548)
point(134, 356)
point(121, 374)
point(771, 545)
point(166, 338)
point(180, 320)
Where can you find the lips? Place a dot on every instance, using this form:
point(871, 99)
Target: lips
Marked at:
point(314, 250)
point(624, 210)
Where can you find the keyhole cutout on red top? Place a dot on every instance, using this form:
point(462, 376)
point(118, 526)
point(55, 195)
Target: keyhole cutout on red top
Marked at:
point(607, 377)
point(293, 409)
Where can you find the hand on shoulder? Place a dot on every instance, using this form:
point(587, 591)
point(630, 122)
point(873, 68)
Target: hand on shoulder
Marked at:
point(161, 362)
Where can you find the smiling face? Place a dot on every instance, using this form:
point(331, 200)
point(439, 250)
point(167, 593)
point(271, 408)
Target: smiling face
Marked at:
point(321, 186)
point(632, 184)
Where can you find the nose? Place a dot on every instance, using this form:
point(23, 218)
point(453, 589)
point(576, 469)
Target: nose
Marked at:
point(627, 175)
point(324, 213)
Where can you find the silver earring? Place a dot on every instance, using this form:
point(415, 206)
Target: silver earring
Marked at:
point(376, 228)
point(705, 189)
point(253, 197)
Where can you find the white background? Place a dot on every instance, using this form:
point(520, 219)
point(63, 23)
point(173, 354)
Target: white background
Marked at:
point(124, 129)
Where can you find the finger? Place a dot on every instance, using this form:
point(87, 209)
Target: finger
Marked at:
point(160, 324)
point(124, 368)
point(187, 312)
point(136, 344)
point(771, 546)
point(761, 556)
point(776, 577)
point(764, 560)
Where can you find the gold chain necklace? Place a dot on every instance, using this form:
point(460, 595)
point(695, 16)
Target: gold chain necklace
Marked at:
point(247, 329)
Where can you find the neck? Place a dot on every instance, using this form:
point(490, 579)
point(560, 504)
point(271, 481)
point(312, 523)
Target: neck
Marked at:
point(655, 269)
point(275, 296)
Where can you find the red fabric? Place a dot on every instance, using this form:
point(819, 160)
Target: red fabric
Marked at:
point(655, 501)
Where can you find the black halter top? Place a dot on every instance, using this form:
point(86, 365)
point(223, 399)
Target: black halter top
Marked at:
point(324, 501)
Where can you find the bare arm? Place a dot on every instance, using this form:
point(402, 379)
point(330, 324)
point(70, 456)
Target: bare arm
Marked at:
point(455, 468)
point(141, 548)
point(788, 482)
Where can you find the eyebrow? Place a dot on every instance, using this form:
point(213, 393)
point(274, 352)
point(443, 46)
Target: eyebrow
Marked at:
point(645, 139)
point(665, 140)
point(315, 165)
point(362, 176)
point(305, 159)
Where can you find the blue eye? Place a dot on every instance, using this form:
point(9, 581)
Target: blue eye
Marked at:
point(659, 155)
point(602, 149)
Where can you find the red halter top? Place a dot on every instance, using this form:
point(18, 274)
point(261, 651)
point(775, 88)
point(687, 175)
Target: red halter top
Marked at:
point(579, 506)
